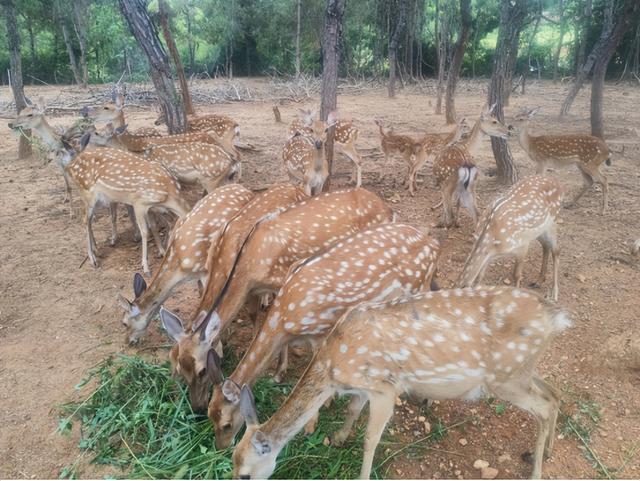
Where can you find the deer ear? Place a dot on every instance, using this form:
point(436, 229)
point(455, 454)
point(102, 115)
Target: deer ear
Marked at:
point(139, 284)
point(261, 442)
point(231, 391)
point(202, 315)
point(40, 105)
point(248, 406)
point(120, 130)
point(172, 324)
point(67, 145)
point(211, 329)
point(124, 302)
point(214, 369)
point(84, 141)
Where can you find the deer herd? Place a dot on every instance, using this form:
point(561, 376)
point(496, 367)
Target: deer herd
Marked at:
point(333, 270)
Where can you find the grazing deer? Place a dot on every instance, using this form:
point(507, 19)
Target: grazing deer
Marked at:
point(455, 172)
point(224, 127)
point(450, 344)
point(33, 118)
point(527, 211)
point(189, 356)
point(208, 164)
point(113, 112)
point(185, 258)
point(587, 152)
point(378, 264)
point(346, 134)
point(260, 266)
point(111, 175)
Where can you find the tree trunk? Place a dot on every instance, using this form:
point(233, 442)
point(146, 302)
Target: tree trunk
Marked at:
point(80, 21)
point(394, 40)
point(135, 13)
point(173, 50)
point(456, 62)
point(190, 42)
point(527, 67)
point(582, 28)
point(623, 23)
point(331, 37)
point(15, 62)
point(297, 57)
point(563, 26)
point(512, 17)
point(73, 64)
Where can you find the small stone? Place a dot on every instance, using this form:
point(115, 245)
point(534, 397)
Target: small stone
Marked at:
point(326, 441)
point(504, 458)
point(457, 472)
point(427, 427)
point(507, 281)
point(392, 432)
point(489, 473)
point(421, 419)
point(462, 441)
point(480, 463)
point(581, 278)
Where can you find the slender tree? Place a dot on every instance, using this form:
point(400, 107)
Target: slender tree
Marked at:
point(400, 6)
point(173, 50)
point(81, 10)
point(331, 37)
point(563, 26)
point(513, 14)
point(58, 8)
point(15, 61)
point(137, 17)
point(297, 55)
point(456, 62)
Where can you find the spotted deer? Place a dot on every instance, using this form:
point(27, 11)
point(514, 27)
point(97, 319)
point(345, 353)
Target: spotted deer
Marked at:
point(208, 164)
point(111, 175)
point(185, 258)
point(455, 172)
point(224, 127)
point(587, 152)
point(261, 264)
point(33, 117)
point(113, 112)
point(450, 344)
point(346, 134)
point(304, 158)
point(384, 262)
point(527, 211)
point(189, 355)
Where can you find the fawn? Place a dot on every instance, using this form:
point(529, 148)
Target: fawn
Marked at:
point(450, 344)
point(185, 258)
point(260, 266)
point(304, 157)
point(527, 211)
point(113, 113)
point(587, 152)
point(224, 127)
point(110, 175)
point(381, 263)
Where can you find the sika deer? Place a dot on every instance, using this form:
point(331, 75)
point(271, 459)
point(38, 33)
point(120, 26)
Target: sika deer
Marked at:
point(113, 112)
point(451, 344)
point(303, 156)
point(224, 127)
point(346, 134)
point(208, 164)
point(261, 264)
point(455, 172)
point(587, 152)
point(109, 175)
point(527, 211)
point(378, 264)
point(185, 258)
point(189, 356)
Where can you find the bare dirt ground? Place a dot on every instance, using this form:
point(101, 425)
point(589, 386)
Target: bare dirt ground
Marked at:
point(58, 319)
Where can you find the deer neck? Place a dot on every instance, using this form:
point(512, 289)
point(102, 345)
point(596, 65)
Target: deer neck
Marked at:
point(475, 138)
point(524, 137)
point(47, 134)
point(159, 290)
point(119, 120)
point(318, 159)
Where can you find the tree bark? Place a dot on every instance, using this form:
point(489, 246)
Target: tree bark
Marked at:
point(135, 13)
point(331, 37)
point(73, 64)
point(297, 56)
point(15, 62)
point(582, 29)
point(173, 50)
point(80, 21)
point(623, 22)
point(394, 40)
point(527, 66)
point(456, 62)
point(512, 17)
point(563, 26)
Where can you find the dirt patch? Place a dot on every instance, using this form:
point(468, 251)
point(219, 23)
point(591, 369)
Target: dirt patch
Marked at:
point(58, 319)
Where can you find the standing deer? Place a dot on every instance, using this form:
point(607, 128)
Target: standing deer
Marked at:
point(185, 258)
point(110, 175)
point(224, 127)
point(303, 156)
point(113, 112)
point(450, 344)
point(527, 211)
point(378, 264)
point(260, 267)
point(346, 134)
point(189, 356)
point(455, 172)
point(587, 152)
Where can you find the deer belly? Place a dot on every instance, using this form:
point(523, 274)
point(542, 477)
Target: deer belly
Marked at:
point(445, 385)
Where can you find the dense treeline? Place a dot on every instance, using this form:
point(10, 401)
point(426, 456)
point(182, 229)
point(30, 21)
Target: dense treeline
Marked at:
point(78, 41)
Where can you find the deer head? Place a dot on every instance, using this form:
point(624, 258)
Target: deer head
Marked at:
point(107, 112)
point(224, 413)
point(521, 119)
point(490, 125)
point(317, 129)
point(29, 117)
point(133, 319)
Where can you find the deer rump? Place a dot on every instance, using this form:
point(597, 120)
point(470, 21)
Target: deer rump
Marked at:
point(463, 194)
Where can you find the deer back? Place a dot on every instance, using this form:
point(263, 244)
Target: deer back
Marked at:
point(562, 149)
point(448, 161)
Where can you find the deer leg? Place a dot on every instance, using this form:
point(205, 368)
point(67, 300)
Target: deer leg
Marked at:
point(517, 270)
point(113, 208)
point(549, 243)
point(132, 218)
point(156, 235)
point(91, 241)
point(283, 364)
point(356, 403)
point(200, 287)
point(602, 180)
point(587, 183)
point(380, 411)
point(142, 220)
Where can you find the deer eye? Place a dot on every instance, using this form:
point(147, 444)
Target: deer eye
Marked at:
point(106, 108)
point(226, 426)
